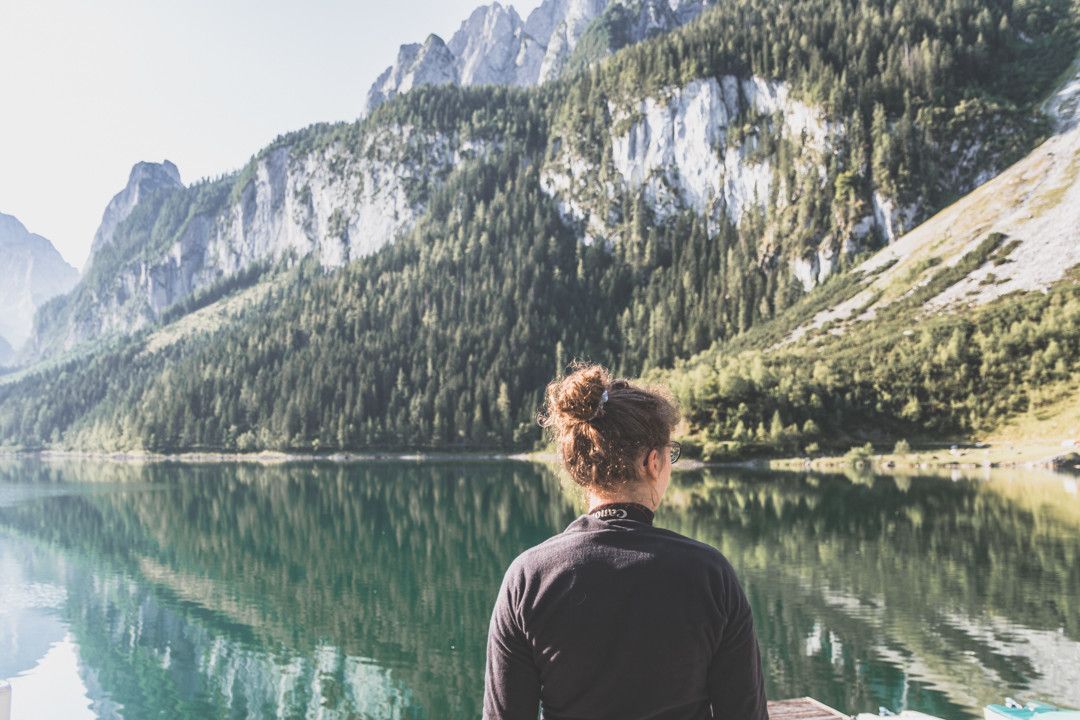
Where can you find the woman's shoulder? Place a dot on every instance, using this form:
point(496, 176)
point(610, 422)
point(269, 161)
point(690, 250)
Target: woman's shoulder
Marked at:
point(694, 550)
point(562, 549)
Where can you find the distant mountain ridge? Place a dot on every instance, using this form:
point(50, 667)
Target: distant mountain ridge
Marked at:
point(31, 272)
point(494, 46)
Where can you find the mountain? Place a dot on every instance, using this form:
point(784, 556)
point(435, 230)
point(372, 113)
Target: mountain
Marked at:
point(414, 278)
point(335, 193)
point(957, 326)
point(146, 178)
point(429, 64)
point(33, 272)
point(811, 157)
point(494, 46)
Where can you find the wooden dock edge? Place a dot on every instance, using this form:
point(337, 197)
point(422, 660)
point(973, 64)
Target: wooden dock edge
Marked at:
point(804, 708)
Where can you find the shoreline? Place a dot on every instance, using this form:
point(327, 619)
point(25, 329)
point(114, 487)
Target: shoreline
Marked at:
point(1051, 455)
point(1060, 457)
point(265, 457)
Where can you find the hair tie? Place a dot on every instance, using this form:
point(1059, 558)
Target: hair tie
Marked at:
point(603, 399)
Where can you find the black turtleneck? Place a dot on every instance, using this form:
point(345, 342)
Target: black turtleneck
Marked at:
point(615, 618)
point(623, 510)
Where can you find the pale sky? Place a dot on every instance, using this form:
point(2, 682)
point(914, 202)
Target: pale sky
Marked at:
point(90, 87)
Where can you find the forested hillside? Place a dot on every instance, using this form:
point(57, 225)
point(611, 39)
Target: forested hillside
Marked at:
point(951, 376)
point(535, 247)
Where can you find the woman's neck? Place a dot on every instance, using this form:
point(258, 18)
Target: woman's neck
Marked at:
point(594, 500)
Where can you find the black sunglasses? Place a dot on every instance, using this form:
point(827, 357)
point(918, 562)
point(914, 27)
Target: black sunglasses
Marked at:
point(675, 452)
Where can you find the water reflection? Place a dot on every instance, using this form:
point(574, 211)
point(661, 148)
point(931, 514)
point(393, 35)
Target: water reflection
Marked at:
point(360, 590)
point(905, 592)
point(364, 591)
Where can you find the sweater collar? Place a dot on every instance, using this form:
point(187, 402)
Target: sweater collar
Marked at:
point(623, 511)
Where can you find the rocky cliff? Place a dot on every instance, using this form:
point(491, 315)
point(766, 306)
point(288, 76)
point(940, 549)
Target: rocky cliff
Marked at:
point(431, 63)
point(703, 147)
point(33, 272)
point(333, 193)
point(495, 46)
point(145, 178)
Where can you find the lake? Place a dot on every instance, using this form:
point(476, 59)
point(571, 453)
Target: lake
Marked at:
point(364, 590)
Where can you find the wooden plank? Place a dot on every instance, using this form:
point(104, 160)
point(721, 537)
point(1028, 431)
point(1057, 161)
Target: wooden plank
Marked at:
point(805, 708)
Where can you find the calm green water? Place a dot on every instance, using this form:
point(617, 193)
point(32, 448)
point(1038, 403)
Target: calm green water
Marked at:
point(364, 591)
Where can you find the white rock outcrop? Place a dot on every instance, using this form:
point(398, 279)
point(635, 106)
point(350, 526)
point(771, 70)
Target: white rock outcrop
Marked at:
point(575, 18)
point(494, 46)
point(891, 219)
point(429, 64)
point(680, 152)
point(697, 147)
point(678, 148)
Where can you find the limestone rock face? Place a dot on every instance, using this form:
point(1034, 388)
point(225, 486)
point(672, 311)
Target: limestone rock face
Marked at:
point(575, 18)
point(494, 46)
point(145, 178)
point(894, 221)
point(31, 272)
point(680, 149)
point(429, 64)
point(631, 20)
point(688, 148)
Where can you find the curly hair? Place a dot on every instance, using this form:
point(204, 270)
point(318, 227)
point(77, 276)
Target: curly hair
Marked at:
point(601, 425)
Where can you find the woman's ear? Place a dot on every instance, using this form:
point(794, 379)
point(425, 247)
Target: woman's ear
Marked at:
point(651, 463)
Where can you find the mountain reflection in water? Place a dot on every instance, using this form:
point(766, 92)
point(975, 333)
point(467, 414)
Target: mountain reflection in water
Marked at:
point(364, 591)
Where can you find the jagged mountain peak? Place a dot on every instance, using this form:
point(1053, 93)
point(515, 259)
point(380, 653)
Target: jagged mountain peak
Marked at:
point(164, 172)
point(14, 233)
point(494, 46)
point(145, 177)
point(542, 21)
point(430, 63)
point(10, 229)
point(491, 47)
point(486, 19)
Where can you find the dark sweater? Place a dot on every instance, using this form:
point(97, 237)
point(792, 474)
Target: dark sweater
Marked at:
point(615, 618)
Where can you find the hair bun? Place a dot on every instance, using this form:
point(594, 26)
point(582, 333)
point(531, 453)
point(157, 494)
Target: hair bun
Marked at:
point(579, 395)
point(605, 455)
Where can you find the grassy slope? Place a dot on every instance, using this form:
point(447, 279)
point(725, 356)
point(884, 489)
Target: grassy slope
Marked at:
point(1035, 205)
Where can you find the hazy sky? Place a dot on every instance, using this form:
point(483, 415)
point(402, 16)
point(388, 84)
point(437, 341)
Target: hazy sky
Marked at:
point(90, 87)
